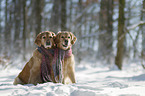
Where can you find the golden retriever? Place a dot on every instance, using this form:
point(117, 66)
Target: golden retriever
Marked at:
point(64, 40)
point(31, 71)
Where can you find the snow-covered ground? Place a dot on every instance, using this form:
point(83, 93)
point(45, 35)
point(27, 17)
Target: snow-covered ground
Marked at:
point(91, 81)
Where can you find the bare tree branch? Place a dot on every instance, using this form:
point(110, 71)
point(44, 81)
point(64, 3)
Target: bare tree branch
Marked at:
point(132, 27)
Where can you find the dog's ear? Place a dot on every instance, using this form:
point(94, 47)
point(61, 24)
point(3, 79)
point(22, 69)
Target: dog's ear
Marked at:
point(38, 40)
point(57, 38)
point(73, 37)
point(53, 34)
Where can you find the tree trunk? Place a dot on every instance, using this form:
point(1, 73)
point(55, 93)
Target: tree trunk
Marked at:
point(17, 19)
point(6, 31)
point(63, 16)
point(127, 22)
point(39, 5)
point(54, 22)
point(78, 33)
point(0, 21)
point(17, 24)
point(143, 29)
point(106, 29)
point(58, 18)
point(120, 44)
point(6, 2)
point(24, 27)
point(0, 29)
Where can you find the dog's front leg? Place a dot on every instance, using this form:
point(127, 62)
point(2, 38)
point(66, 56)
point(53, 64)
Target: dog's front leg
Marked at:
point(71, 75)
point(71, 70)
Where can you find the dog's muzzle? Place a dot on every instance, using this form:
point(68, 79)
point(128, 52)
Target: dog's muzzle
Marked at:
point(65, 44)
point(48, 42)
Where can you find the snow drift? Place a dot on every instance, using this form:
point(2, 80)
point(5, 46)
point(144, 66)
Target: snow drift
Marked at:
point(97, 81)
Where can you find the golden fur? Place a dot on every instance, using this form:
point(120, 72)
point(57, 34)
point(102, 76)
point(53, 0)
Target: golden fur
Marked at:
point(65, 40)
point(31, 71)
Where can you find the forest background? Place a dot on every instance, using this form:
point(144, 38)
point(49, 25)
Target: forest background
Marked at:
point(108, 31)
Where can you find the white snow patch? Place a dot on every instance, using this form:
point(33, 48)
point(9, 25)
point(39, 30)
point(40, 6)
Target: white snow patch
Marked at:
point(97, 81)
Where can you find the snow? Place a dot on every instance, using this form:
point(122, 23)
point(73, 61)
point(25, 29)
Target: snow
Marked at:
point(91, 81)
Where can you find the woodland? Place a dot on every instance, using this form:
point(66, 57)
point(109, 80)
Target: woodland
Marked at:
point(110, 32)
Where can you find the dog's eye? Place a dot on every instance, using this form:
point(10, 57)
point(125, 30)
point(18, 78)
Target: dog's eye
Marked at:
point(69, 37)
point(43, 37)
point(50, 37)
point(62, 37)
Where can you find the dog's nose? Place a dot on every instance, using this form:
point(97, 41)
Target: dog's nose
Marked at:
point(66, 42)
point(47, 42)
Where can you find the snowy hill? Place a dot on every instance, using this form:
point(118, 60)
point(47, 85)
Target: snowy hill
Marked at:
point(98, 81)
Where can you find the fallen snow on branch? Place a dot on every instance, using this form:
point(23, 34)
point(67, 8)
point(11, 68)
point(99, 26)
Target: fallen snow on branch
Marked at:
point(136, 25)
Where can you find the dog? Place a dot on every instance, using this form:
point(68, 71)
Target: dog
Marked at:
point(31, 71)
point(64, 41)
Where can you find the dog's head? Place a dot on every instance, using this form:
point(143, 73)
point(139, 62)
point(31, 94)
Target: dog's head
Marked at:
point(46, 39)
point(64, 40)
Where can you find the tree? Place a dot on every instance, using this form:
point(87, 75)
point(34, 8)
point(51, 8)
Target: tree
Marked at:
point(24, 27)
point(78, 33)
point(54, 22)
point(6, 32)
point(128, 23)
point(121, 37)
point(105, 29)
point(143, 29)
point(0, 21)
point(38, 6)
point(63, 15)
point(17, 21)
point(0, 28)
point(58, 18)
